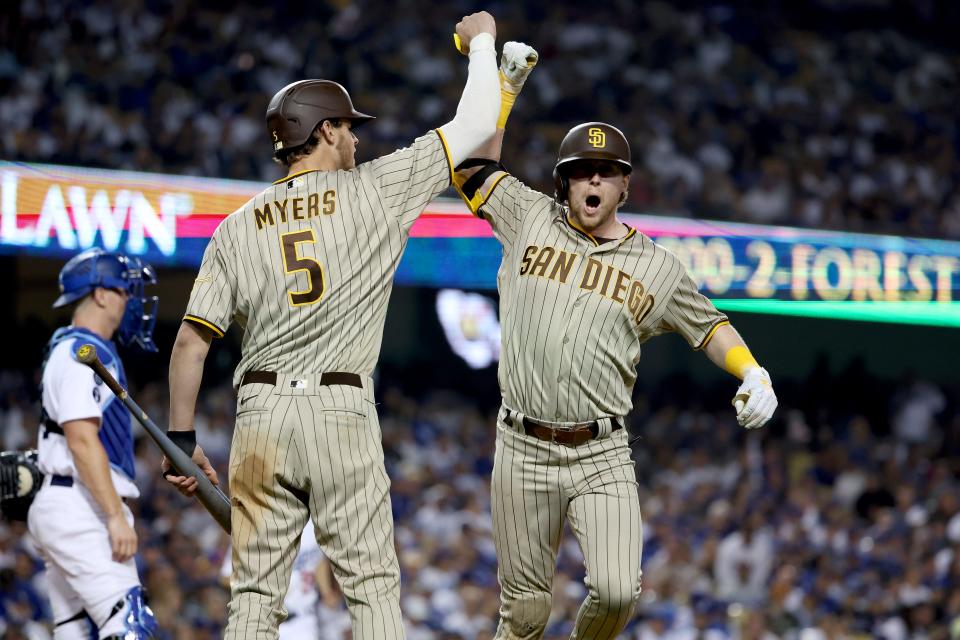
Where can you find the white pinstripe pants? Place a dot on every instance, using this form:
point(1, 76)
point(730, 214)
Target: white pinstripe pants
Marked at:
point(301, 452)
point(536, 487)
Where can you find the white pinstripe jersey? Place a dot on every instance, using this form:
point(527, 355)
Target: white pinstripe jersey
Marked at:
point(574, 312)
point(306, 267)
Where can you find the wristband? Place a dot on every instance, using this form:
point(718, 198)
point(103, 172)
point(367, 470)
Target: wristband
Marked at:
point(507, 98)
point(738, 360)
point(186, 440)
point(483, 41)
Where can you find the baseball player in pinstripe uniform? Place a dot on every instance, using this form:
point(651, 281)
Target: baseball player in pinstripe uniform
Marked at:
point(306, 269)
point(579, 293)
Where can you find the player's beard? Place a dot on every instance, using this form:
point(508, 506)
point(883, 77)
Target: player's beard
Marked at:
point(347, 151)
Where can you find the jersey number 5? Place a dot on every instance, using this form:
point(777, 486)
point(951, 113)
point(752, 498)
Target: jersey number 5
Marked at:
point(293, 263)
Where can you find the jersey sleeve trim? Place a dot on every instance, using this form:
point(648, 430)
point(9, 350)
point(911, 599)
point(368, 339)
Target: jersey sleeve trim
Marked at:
point(706, 340)
point(97, 419)
point(446, 153)
point(194, 319)
point(497, 180)
point(294, 175)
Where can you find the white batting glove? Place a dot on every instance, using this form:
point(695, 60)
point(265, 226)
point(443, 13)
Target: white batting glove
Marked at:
point(755, 401)
point(516, 63)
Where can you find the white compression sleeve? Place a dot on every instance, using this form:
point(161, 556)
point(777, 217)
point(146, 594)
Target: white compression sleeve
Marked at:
point(476, 118)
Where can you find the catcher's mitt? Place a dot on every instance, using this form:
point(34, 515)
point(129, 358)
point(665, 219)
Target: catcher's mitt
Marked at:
point(19, 482)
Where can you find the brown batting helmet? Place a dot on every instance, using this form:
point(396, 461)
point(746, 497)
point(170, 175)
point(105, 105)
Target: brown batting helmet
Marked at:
point(590, 141)
point(296, 110)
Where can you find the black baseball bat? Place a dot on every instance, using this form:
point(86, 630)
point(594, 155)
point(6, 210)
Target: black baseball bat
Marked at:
point(208, 493)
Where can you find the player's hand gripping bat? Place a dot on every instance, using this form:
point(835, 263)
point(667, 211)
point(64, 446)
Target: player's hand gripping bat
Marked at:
point(209, 494)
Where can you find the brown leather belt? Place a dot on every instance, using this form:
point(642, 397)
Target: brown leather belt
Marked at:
point(327, 378)
point(567, 437)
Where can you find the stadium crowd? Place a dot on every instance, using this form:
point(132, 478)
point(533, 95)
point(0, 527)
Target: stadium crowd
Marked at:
point(829, 524)
point(733, 111)
point(839, 520)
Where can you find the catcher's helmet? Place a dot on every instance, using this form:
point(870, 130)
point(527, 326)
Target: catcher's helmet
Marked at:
point(590, 141)
point(95, 268)
point(296, 110)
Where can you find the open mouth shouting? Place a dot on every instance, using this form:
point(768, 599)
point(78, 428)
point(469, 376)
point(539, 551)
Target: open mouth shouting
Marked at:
point(592, 204)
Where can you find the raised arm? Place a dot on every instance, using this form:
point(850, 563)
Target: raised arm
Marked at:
point(754, 401)
point(477, 176)
point(476, 116)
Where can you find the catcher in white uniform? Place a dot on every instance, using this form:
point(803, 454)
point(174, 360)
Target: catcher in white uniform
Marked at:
point(79, 517)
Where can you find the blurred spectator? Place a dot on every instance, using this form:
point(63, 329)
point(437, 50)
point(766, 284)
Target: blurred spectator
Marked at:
point(744, 561)
point(20, 604)
point(656, 624)
point(875, 496)
point(774, 537)
point(917, 404)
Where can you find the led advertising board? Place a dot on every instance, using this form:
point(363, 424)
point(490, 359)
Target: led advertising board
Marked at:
point(56, 211)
